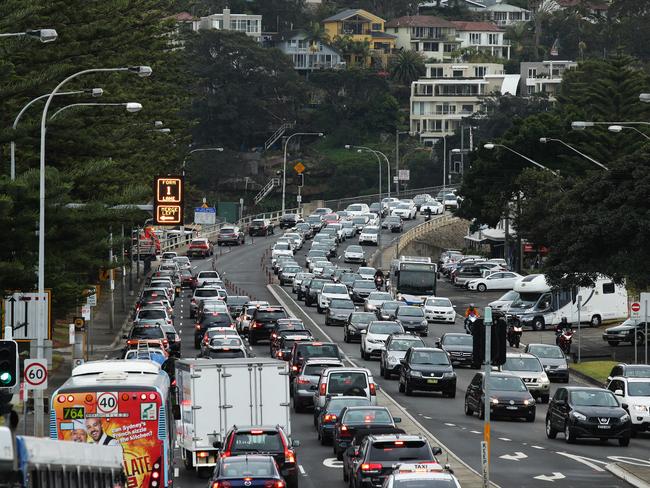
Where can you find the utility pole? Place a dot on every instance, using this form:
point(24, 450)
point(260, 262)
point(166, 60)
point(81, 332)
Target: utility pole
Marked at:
point(396, 163)
point(487, 401)
point(111, 280)
point(123, 273)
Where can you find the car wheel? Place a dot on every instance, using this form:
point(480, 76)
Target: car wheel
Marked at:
point(544, 398)
point(551, 433)
point(595, 321)
point(382, 371)
point(407, 389)
point(319, 309)
point(530, 417)
point(539, 324)
point(481, 411)
point(640, 339)
point(365, 355)
point(386, 374)
point(569, 434)
point(188, 461)
point(401, 386)
point(468, 410)
point(451, 393)
point(624, 441)
point(481, 287)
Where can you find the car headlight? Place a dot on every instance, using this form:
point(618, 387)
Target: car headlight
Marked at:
point(393, 360)
point(449, 375)
point(641, 408)
point(494, 401)
point(624, 418)
point(424, 322)
point(529, 402)
point(416, 374)
point(543, 378)
point(376, 341)
point(371, 307)
point(579, 416)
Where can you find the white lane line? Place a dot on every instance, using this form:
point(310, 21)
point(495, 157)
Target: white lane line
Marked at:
point(302, 470)
point(450, 425)
point(538, 447)
point(474, 432)
point(428, 418)
point(505, 439)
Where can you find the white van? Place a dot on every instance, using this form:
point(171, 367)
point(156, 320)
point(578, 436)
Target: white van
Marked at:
point(356, 209)
point(539, 305)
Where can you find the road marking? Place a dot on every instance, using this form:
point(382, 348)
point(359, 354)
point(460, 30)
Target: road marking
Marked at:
point(450, 425)
point(177, 472)
point(505, 439)
point(333, 463)
point(475, 432)
point(302, 470)
point(428, 418)
point(592, 463)
point(555, 476)
point(538, 447)
point(517, 456)
point(629, 460)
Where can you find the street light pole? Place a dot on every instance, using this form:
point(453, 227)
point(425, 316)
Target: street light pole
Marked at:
point(377, 152)
point(397, 134)
point(44, 35)
point(491, 146)
point(131, 107)
point(284, 165)
point(545, 140)
point(373, 151)
point(141, 71)
point(619, 128)
point(444, 165)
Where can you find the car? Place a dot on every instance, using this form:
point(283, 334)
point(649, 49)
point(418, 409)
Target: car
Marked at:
point(450, 201)
point(421, 199)
point(395, 350)
point(296, 239)
point(369, 234)
point(431, 475)
point(298, 279)
point(626, 332)
point(289, 220)
point(509, 397)
point(377, 208)
point(163, 291)
point(287, 274)
point(634, 395)
point(306, 380)
point(302, 351)
point(183, 262)
point(501, 280)
point(230, 235)
point(374, 460)
point(355, 209)
point(173, 338)
point(260, 227)
point(211, 305)
point(243, 321)
point(200, 247)
point(412, 319)
point(394, 223)
point(354, 254)
point(315, 253)
point(553, 360)
point(361, 289)
point(187, 279)
point(285, 341)
point(322, 211)
point(387, 310)
point(201, 294)
point(427, 369)
point(458, 346)
point(224, 347)
point(357, 321)
point(375, 300)
point(405, 210)
point(152, 334)
point(360, 221)
point(630, 371)
point(339, 311)
point(147, 352)
point(346, 381)
point(349, 278)
point(236, 302)
point(315, 222)
point(256, 470)
point(462, 275)
point(439, 309)
point(373, 339)
point(349, 230)
point(152, 315)
point(271, 440)
point(367, 272)
point(581, 412)
point(327, 416)
point(504, 302)
point(339, 235)
point(530, 370)
point(283, 326)
point(314, 287)
point(353, 419)
point(203, 276)
point(168, 256)
point(281, 249)
point(434, 206)
point(215, 319)
point(329, 292)
point(305, 230)
point(445, 191)
point(330, 218)
point(262, 321)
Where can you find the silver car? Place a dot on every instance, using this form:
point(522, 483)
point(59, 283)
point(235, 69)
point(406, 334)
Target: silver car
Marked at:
point(375, 300)
point(531, 371)
point(306, 383)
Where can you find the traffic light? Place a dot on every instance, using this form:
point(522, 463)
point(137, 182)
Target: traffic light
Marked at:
point(497, 342)
point(301, 180)
point(9, 375)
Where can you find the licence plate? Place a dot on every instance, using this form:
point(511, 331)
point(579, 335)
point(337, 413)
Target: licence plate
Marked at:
point(432, 381)
point(604, 426)
point(511, 408)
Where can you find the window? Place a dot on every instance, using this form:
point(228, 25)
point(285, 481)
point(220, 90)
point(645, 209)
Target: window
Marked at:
point(493, 39)
point(563, 297)
point(532, 72)
point(376, 27)
point(480, 71)
point(431, 46)
point(448, 48)
point(608, 288)
point(457, 73)
point(302, 44)
point(436, 72)
point(475, 38)
point(468, 109)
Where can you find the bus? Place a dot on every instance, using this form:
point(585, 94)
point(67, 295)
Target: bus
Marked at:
point(125, 403)
point(35, 462)
point(414, 279)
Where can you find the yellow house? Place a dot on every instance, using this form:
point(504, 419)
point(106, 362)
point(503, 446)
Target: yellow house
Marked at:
point(361, 26)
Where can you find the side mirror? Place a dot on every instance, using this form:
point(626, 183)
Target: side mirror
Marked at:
point(437, 451)
point(618, 392)
point(625, 406)
point(125, 336)
point(438, 344)
point(560, 402)
point(454, 306)
point(177, 412)
point(295, 443)
point(402, 361)
point(216, 444)
point(397, 420)
point(363, 332)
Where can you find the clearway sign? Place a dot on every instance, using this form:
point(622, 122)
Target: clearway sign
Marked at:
point(205, 215)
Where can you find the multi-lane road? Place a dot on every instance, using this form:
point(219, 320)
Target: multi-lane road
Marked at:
point(521, 455)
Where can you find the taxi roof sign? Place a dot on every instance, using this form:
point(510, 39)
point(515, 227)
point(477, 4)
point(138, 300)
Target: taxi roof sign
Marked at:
point(419, 468)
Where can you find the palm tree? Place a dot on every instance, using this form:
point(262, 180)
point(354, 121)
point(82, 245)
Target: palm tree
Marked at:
point(316, 34)
point(407, 67)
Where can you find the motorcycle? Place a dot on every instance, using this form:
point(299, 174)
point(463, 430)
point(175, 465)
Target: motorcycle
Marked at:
point(469, 324)
point(427, 216)
point(379, 283)
point(564, 339)
point(514, 335)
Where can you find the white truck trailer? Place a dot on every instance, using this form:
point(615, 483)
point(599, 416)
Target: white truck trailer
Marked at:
point(214, 395)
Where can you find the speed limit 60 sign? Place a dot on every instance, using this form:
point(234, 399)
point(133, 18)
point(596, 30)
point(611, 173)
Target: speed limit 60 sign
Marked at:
point(35, 374)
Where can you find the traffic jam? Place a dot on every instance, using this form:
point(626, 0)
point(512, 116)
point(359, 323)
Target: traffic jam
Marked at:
point(222, 388)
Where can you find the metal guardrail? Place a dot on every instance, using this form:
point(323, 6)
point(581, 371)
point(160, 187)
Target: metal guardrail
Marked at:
point(341, 203)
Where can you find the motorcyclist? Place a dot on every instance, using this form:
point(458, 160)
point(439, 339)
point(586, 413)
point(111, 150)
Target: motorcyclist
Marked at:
point(428, 214)
point(472, 310)
point(379, 279)
point(562, 326)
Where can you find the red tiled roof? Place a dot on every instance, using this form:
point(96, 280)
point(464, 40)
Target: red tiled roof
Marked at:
point(461, 25)
point(184, 17)
point(419, 21)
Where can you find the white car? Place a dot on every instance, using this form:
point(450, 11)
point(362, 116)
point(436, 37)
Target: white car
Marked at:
point(373, 339)
point(635, 393)
point(329, 292)
point(405, 210)
point(354, 254)
point(349, 229)
point(183, 262)
point(505, 301)
point(295, 238)
point(367, 272)
point(280, 249)
point(434, 205)
point(204, 276)
point(369, 234)
point(501, 280)
point(340, 235)
point(322, 211)
point(355, 209)
point(438, 309)
point(450, 201)
point(317, 264)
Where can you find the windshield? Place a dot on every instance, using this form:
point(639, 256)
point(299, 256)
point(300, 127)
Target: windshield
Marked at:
point(637, 371)
point(359, 220)
point(354, 249)
point(380, 295)
point(370, 230)
point(227, 230)
point(390, 306)
point(438, 358)
point(438, 302)
point(336, 405)
point(506, 383)
point(410, 312)
point(526, 300)
point(318, 351)
point(362, 318)
point(270, 315)
point(367, 416)
point(217, 319)
point(421, 282)
point(593, 398)
point(366, 270)
point(548, 352)
point(404, 206)
point(640, 389)
point(404, 344)
point(281, 246)
point(151, 314)
point(225, 342)
point(336, 289)
point(401, 451)
point(458, 340)
point(355, 208)
point(206, 292)
point(509, 296)
point(240, 467)
point(364, 285)
point(384, 328)
point(345, 383)
point(342, 304)
point(208, 274)
point(264, 441)
point(317, 369)
point(147, 333)
point(522, 364)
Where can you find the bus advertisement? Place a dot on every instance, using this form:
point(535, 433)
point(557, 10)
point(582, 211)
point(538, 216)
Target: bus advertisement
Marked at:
point(129, 419)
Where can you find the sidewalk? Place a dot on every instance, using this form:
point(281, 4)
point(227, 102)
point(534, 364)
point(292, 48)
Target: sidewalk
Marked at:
point(637, 476)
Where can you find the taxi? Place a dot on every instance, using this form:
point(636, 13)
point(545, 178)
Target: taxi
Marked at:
point(424, 475)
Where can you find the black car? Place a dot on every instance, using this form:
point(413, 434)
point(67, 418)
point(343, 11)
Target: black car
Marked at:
point(626, 332)
point(260, 227)
point(263, 320)
point(327, 416)
point(289, 220)
point(288, 339)
point(375, 458)
point(313, 289)
point(281, 326)
point(427, 369)
point(386, 311)
point(305, 350)
point(212, 319)
point(412, 319)
point(357, 321)
point(357, 440)
point(339, 311)
point(587, 412)
point(301, 292)
point(509, 397)
point(394, 223)
point(236, 302)
point(459, 347)
point(242, 441)
point(353, 419)
point(361, 289)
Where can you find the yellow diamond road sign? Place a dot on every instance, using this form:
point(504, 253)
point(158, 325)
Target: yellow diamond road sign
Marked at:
point(299, 167)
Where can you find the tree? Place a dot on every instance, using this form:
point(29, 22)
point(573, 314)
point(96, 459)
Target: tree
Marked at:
point(407, 67)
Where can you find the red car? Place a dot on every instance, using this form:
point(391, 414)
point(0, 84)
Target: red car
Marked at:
point(200, 247)
point(331, 218)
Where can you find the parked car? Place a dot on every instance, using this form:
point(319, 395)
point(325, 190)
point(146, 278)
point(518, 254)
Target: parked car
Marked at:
point(200, 247)
point(553, 360)
point(509, 397)
point(230, 235)
point(504, 302)
point(581, 412)
point(395, 350)
point(628, 331)
point(260, 227)
point(501, 280)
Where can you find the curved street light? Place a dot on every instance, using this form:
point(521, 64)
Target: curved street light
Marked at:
point(43, 35)
point(131, 107)
point(545, 140)
point(367, 149)
point(491, 146)
point(620, 128)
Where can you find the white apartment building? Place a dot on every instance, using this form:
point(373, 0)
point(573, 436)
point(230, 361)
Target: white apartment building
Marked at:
point(504, 15)
point(450, 92)
point(251, 25)
point(484, 37)
point(543, 77)
point(307, 55)
point(433, 37)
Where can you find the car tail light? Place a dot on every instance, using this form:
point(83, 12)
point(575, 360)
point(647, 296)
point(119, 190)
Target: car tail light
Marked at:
point(221, 484)
point(301, 380)
point(257, 432)
point(373, 389)
point(370, 467)
point(289, 456)
point(206, 340)
point(202, 454)
point(294, 368)
point(274, 484)
point(345, 432)
point(322, 389)
point(257, 325)
point(329, 418)
point(279, 354)
point(193, 300)
point(165, 342)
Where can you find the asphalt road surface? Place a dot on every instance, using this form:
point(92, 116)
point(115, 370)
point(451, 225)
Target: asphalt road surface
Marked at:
point(521, 455)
